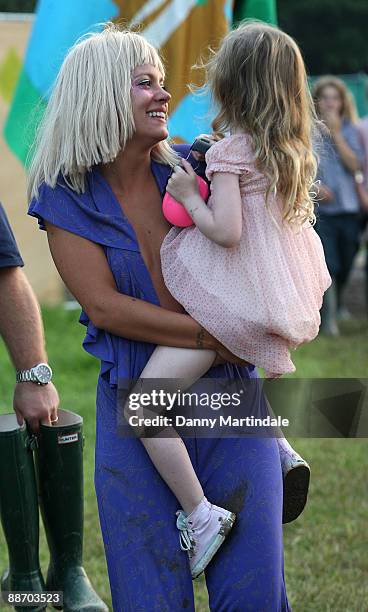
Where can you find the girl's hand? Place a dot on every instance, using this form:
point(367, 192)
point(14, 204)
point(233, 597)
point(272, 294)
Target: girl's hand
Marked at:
point(182, 184)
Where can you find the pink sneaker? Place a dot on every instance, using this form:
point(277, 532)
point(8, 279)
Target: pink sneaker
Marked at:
point(202, 532)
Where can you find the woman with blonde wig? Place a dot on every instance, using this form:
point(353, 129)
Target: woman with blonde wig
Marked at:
point(98, 175)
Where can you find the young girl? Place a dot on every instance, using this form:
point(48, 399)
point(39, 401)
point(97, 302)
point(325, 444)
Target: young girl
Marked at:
point(252, 270)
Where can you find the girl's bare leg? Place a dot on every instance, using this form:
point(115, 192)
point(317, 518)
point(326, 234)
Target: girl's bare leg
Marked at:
point(169, 454)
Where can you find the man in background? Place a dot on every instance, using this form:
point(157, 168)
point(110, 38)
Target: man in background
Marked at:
point(35, 397)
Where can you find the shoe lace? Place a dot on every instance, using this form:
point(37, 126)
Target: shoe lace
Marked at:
point(186, 536)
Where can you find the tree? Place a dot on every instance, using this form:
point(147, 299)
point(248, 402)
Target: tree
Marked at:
point(17, 6)
point(331, 33)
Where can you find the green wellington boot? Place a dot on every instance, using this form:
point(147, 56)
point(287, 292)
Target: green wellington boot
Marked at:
point(59, 463)
point(19, 510)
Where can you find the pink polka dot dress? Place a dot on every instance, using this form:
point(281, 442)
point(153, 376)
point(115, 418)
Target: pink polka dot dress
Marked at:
point(261, 298)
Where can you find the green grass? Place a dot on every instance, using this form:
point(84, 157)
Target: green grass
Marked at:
point(326, 550)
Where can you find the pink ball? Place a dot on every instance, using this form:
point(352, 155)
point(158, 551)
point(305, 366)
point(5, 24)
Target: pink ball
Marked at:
point(175, 212)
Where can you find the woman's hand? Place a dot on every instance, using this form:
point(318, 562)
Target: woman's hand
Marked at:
point(333, 121)
point(182, 184)
point(362, 191)
point(225, 356)
point(205, 340)
point(325, 194)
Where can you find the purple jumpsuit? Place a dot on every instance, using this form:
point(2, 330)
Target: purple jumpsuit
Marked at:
point(147, 569)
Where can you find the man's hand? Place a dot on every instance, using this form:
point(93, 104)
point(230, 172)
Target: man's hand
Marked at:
point(182, 184)
point(35, 403)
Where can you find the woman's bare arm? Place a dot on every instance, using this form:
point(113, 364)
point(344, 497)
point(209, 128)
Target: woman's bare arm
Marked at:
point(349, 159)
point(84, 269)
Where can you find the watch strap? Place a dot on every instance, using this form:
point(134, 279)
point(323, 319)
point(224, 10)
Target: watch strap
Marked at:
point(25, 376)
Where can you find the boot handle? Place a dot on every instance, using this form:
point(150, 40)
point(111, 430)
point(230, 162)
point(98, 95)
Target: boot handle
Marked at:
point(32, 442)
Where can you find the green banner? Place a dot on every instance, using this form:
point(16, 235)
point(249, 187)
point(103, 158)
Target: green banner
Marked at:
point(23, 118)
point(265, 10)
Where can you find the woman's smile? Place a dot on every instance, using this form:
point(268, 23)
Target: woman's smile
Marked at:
point(158, 114)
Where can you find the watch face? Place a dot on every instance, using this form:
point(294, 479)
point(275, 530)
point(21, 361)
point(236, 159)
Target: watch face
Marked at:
point(43, 373)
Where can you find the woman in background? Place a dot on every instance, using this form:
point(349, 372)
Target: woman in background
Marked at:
point(340, 154)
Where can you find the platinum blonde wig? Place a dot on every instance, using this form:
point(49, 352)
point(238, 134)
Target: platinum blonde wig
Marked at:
point(89, 117)
point(259, 82)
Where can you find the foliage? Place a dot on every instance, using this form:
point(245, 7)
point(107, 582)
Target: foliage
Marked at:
point(17, 6)
point(331, 33)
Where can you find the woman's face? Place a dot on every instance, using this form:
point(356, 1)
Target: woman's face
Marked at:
point(150, 104)
point(329, 101)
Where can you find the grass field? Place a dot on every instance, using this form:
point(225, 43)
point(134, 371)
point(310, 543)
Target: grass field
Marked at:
point(326, 550)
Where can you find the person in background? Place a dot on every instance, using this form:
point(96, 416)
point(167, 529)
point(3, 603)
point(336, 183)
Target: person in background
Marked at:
point(362, 186)
point(22, 331)
point(341, 156)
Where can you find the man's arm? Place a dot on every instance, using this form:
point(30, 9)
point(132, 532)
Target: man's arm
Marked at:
point(22, 330)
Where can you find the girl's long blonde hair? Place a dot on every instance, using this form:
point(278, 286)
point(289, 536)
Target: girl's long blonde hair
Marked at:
point(89, 117)
point(258, 80)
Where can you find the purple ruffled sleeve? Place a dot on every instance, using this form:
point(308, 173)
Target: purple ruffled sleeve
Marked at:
point(96, 216)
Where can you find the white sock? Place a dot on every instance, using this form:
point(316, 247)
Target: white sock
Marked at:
point(200, 512)
point(285, 447)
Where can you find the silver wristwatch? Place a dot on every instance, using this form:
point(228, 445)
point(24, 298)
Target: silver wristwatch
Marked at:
point(40, 374)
